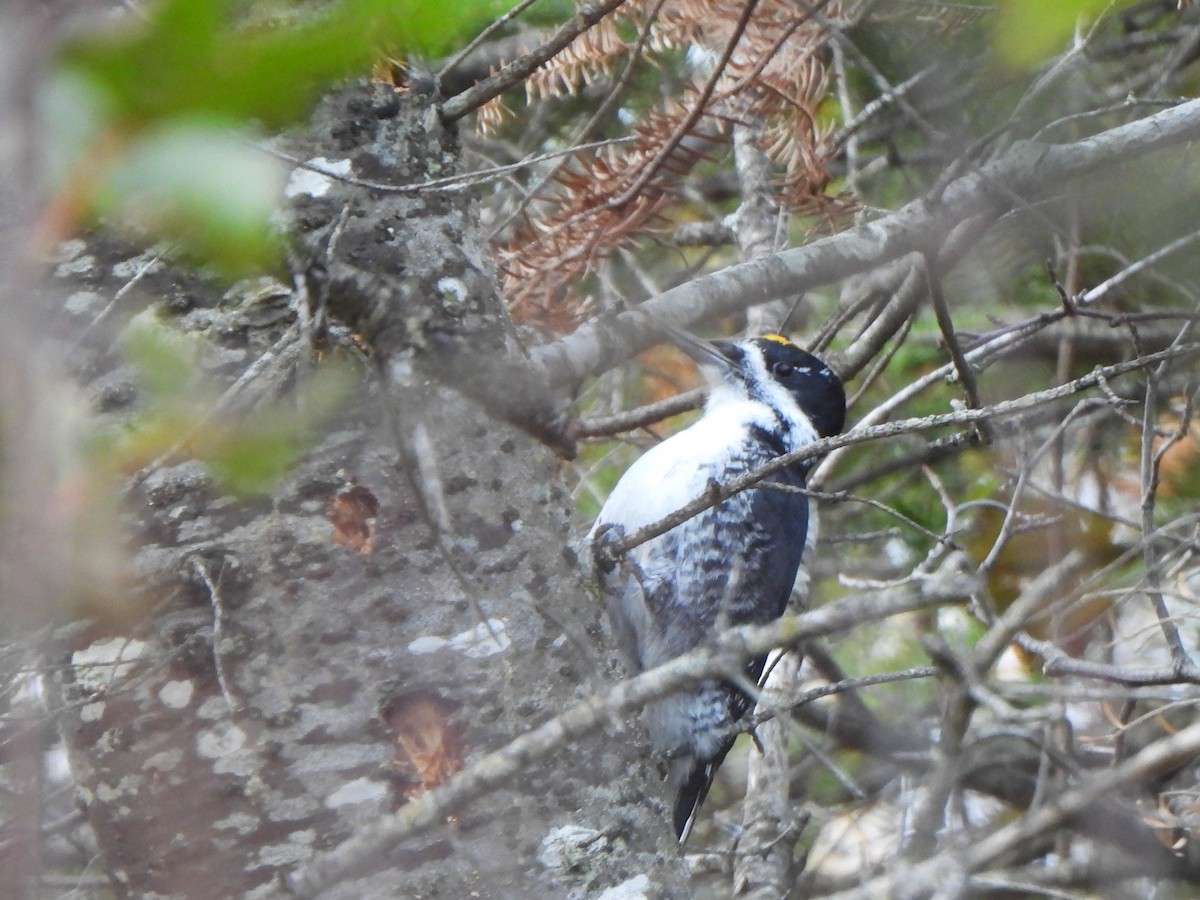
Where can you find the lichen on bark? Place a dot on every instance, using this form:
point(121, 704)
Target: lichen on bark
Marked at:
point(293, 681)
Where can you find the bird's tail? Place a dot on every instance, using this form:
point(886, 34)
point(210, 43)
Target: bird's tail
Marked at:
point(692, 777)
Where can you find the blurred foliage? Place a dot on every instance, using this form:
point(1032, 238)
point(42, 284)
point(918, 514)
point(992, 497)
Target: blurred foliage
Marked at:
point(1030, 30)
point(151, 115)
point(249, 453)
point(203, 186)
point(191, 57)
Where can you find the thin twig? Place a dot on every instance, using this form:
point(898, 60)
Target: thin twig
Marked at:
point(685, 125)
point(832, 689)
point(1057, 663)
point(606, 106)
point(220, 616)
point(725, 655)
point(1158, 757)
point(847, 497)
point(1150, 474)
point(718, 492)
point(1011, 515)
point(632, 419)
point(448, 183)
point(846, 135)
point(941, 311)
point(456, 60)
point(518, 70)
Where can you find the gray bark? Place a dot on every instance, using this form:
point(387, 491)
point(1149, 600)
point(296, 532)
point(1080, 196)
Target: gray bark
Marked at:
point(287, 690)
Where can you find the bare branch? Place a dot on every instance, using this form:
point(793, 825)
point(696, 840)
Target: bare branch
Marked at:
point(726, 654)
point(519, 69)
point(1057, 663)
point(924, 879)
point(603, 426)
point(941, 311)
point(1028, 168)
point(456, 60)
point(819, 448)
point(685, 125)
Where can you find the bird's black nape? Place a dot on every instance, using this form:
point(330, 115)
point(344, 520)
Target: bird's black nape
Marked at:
point(815, 386)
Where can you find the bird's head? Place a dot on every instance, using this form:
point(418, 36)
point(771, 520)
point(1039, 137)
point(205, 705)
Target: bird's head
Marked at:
point(775, 371)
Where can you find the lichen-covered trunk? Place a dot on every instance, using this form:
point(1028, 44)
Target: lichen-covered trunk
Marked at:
point(404, 601)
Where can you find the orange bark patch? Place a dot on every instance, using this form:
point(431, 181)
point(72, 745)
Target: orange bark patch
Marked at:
point(352, 514)
point(429, 746)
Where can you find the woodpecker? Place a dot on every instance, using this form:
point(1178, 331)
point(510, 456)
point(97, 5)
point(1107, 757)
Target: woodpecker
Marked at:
point(733, 564)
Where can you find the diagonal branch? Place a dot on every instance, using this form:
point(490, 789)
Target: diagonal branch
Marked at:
point(941, 312)
point(1057, 663)
point(1028, 168)
point(618, 545)
point(923, 880)
point(726, 653)
point(689, 120)
point(1149, 466)
point(519, 69)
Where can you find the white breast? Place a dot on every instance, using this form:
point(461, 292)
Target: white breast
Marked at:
point(677, 471)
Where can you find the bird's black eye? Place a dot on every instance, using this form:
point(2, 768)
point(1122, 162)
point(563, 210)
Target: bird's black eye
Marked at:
point(782, 369)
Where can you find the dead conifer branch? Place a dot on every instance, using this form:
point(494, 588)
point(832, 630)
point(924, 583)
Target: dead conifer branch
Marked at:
point(1028, 167)
point(767, 68)
point(520, 69)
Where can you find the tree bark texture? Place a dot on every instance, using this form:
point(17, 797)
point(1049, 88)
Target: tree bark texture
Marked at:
point(406, 600)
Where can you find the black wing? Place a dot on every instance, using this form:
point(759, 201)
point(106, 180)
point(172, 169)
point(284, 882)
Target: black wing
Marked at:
point(768, 535)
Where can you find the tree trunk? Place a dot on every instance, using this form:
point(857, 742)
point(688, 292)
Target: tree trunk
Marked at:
point(405, 600)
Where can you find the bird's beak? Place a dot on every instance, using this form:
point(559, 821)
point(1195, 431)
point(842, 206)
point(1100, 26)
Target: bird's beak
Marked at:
point(724, 355)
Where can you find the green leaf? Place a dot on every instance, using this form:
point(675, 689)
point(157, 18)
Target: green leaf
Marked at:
point(1029, 31)
point(202, 183)
point(77, 112)
point(165, 359)
point(187, 58)
point(253, 459)
point(250, 455)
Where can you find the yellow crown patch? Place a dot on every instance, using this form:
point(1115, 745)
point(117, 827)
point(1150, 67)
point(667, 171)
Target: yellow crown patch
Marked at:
point(777, 338)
